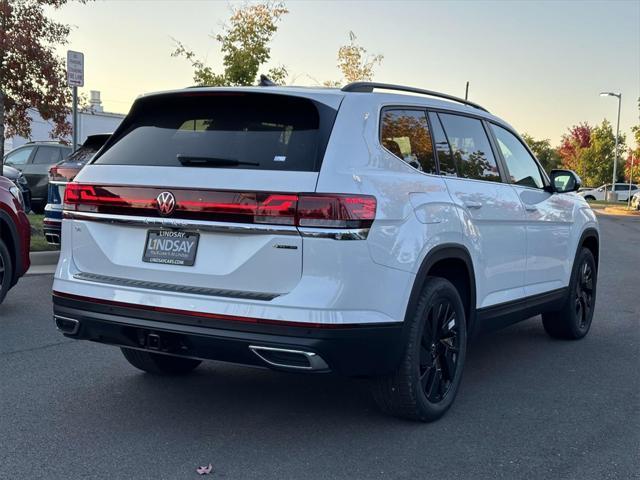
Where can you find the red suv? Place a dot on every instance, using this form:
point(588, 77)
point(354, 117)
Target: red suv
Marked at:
point(15, 235)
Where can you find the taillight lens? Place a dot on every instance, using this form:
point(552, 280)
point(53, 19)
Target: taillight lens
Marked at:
point(336, 211)
point(304, 210)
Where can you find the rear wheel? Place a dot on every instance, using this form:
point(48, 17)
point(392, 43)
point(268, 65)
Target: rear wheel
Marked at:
point(159, 364)
point(6, 270)
point(574, 319)
point(426, 382)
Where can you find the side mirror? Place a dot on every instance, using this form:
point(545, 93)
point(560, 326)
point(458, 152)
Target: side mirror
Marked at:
point(565, 181)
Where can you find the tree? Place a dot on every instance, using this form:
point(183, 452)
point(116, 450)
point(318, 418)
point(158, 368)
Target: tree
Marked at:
point(599, 157)
point(31, 74)
point(244, 43)
point(544, 152)
point(572, 145)
point(634, 155)
point(355, 63)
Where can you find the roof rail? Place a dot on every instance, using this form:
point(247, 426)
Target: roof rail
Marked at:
point(368, 87)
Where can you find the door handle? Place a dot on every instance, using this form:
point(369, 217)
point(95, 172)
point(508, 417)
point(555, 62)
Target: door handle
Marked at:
point(530, 208)
point(472, 204)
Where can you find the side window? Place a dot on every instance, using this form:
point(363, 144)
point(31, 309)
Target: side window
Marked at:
point(19, 157)
point(622, 187)
point(470, 147)
point(405, 133)
point(47, 156)
point(443, 151)
point(523, 169)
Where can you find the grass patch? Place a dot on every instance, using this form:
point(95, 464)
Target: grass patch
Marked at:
point(38, 243)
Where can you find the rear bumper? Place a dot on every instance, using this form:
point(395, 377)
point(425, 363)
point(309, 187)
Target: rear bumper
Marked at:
point(354, 350)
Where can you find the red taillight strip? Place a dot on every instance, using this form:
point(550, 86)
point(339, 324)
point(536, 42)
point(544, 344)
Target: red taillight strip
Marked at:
point(334, 211)
point(217, 316)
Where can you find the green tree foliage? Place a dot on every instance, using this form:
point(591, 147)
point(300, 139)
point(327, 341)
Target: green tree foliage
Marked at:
point(244, 43)
point(590, 151)
point(32, 75)
point(544, 152)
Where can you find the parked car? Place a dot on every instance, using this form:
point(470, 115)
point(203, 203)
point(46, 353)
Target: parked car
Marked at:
point(17, 177)
point(621, 189)
point(15, 236)
point(635, 201)
point(356, 231)
point(61, 174)
point(34, 159)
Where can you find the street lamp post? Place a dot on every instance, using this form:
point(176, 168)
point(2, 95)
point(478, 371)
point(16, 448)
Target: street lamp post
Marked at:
point(615, 159)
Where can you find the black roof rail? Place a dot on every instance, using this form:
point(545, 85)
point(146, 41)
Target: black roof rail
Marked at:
point(368, 87)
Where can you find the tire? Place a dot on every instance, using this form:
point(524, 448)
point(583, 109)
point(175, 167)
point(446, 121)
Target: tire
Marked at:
point(37, 208)
point(159, 364)
point(573, 320)
point(590, 198)
point(6, 270)
point(425, 384)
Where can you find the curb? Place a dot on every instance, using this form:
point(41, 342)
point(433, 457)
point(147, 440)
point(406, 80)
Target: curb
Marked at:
point(44, 258)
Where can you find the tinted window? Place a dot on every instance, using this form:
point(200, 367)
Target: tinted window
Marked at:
point(523, 169)
point(405, 133)
point(47, 156)
point(621, 187)
point(256, 131)
point(445, 160)
point(470, 148)
point(19, 157)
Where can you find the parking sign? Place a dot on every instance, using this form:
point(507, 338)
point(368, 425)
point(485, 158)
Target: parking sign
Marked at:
point(75, 69)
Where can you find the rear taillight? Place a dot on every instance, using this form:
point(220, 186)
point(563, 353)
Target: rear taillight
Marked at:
point(336, 211)
point(303, 210)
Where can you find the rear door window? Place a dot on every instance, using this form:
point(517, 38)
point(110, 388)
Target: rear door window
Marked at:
point(445, 160)
point(405, 133)
point(471, 150)
point(225, 129)
point(47, 156)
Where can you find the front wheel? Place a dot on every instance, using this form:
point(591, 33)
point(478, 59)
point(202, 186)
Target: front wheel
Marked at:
point(590, 198)
point(573, 320)
point(159, 364)
point(426, 382)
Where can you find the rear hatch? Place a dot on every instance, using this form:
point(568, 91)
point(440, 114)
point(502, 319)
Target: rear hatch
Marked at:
point(196, 193)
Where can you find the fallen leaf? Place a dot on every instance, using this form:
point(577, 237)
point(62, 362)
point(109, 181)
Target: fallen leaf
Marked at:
point(205, 470)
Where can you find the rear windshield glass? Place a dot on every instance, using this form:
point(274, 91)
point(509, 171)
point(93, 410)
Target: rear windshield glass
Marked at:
point(224, 130)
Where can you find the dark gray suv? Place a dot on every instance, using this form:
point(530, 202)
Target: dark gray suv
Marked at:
point(34, 159)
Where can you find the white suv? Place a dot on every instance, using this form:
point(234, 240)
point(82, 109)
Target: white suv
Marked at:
point(321, 230)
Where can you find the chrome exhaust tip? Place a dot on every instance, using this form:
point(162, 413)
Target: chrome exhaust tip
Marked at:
point(69, 326)
point(52, 238)
point(291, 359)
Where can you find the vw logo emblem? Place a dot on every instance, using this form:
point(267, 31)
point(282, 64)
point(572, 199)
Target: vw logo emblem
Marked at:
point(166, 203)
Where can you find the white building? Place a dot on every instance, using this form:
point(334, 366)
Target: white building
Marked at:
point(92, 121)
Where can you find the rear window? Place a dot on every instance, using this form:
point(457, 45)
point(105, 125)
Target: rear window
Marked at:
point(225, 130)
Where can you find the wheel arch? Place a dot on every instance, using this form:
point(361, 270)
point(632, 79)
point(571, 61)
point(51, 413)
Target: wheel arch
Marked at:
point(590, 239)
point(452, 262)
point(9, 234)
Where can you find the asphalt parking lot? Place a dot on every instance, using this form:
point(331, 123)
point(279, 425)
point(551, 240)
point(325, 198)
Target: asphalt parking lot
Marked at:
point(529, 406)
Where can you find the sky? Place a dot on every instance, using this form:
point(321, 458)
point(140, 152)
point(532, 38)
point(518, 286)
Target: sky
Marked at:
point(539, 65)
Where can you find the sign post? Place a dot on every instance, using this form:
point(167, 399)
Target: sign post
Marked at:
point(75, 79)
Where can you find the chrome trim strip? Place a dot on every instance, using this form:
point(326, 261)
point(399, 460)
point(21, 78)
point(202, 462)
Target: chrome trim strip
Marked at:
point(335, 234)
point(316, 362)
point(198, 225)
point(167, 287)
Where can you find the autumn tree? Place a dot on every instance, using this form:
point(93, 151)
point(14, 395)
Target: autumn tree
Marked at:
point(31, 74)
point(355, 63)
point(572, 145)
point(244, 43)
point(633, 156)
point(544, 152)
